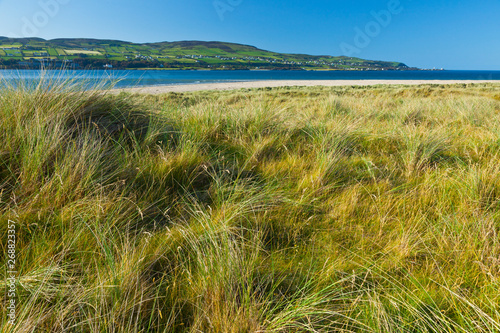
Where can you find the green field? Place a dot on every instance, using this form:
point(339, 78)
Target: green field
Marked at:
point(345, 209)
point(71, 52)
point(3, 46)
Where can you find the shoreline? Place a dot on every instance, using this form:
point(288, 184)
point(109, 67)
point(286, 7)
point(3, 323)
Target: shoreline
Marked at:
point(156, 90)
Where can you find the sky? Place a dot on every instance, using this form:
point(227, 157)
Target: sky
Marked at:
point(450, 34)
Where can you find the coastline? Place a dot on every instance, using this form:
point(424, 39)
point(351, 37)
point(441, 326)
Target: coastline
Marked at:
point(155, 90)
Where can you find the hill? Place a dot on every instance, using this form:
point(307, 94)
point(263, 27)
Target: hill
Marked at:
point(19, 53)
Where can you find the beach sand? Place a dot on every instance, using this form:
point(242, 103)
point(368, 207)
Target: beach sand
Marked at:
point(154, 90)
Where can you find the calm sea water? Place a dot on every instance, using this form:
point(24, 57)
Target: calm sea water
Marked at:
point(123, 78)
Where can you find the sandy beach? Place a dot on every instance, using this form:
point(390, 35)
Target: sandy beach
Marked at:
point(154, 90)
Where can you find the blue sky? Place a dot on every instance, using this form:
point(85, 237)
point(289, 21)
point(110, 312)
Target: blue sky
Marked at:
point(441, 33)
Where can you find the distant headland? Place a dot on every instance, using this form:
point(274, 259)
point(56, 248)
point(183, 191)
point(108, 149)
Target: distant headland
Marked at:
point(33, 53)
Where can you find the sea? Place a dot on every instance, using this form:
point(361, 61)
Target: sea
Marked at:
point(138, 78)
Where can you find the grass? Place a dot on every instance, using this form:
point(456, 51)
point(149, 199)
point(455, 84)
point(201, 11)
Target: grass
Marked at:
point(347, 209)
point(71, 52)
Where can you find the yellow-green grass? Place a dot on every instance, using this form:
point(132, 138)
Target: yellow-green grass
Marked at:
point(5, 46)
point(39, 57)
point(364, 209)
point(71, 52)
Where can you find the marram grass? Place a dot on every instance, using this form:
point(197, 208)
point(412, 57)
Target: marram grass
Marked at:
point(351, 209)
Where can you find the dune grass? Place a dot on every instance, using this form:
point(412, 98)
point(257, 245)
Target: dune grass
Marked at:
point(345, 209)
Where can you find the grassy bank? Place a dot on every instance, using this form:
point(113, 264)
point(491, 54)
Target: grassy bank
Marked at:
point(270, 210)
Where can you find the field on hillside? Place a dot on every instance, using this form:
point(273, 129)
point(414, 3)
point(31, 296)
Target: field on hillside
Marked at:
point(345, 209)
point(71, 52)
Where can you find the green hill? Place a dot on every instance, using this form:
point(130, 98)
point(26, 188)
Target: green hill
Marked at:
point(96, 53)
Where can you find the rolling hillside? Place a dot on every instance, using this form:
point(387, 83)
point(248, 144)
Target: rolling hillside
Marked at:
point(97, 54)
